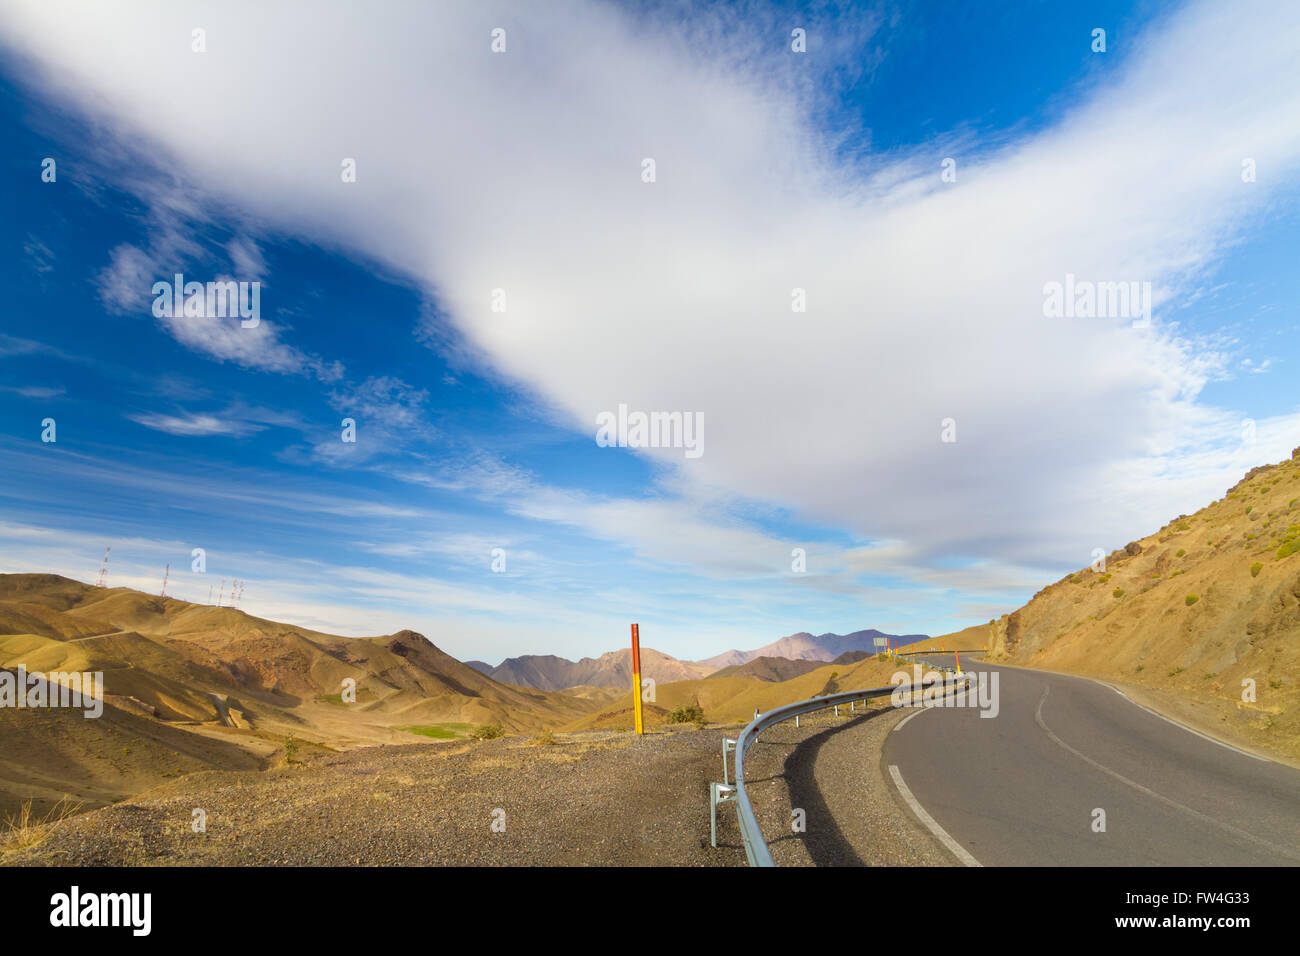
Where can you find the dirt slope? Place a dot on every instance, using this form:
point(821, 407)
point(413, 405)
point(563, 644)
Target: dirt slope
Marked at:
point(1186, 614)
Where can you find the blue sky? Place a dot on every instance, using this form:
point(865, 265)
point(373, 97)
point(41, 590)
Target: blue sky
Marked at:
point(776, 170)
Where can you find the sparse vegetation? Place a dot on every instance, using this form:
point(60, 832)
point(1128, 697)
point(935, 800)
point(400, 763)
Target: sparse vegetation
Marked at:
point(1256, 568)
point(1190, 600)
point(23, 829)
point(1180, 552)
point(1140, 668)
point(1288, 547)
point(1176, 671)
point(687, 714)
point(487, 732)
point(290, 749)
point(437, 731)
point(1117, 593)
point(544, 739)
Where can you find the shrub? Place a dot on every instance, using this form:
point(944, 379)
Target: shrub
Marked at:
point(290, 749)
point(1141, 667)
point(1180, 552)
point(1176, 671)
point(1256, 568)
point(1249, 508)
point(487, 732)
point(1118, 593)
point(1191, 599)
point(1288, 548)
point(544, 739)
point(687, 714)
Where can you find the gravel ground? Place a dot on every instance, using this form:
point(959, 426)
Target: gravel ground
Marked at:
point(830, 768)
point(599, 798)
point(596, 798)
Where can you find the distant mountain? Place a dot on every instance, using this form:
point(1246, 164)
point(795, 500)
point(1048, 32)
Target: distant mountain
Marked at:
point(613, 669)
point(806, 647)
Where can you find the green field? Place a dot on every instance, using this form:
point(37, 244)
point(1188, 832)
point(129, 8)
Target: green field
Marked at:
point(450, 731)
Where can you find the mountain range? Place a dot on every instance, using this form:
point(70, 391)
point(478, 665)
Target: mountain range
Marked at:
point(614, 668)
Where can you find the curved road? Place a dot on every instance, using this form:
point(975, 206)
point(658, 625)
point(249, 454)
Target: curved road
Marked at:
point(1021, 788)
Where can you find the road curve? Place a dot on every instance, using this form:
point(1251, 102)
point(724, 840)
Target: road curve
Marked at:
point(1022, 788)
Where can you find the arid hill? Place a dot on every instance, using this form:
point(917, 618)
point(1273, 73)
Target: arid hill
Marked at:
point(1194, 615)
point(190, 687)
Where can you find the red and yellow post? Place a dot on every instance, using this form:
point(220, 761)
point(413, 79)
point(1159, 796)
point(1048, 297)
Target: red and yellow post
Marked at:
point(636, 680)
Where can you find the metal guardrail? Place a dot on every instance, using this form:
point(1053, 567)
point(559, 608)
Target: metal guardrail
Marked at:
point(756, 851)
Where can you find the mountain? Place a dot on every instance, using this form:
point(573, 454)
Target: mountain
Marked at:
point(768, 669)
point(804, 646)
point(612, 669)
point(189, 686)
point(1194, 615)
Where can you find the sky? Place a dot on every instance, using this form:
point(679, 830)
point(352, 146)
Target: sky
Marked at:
point(502, 269)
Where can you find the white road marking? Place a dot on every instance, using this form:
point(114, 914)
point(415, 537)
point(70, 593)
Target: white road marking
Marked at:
point(956, 848)
point(1038, 718)
point(917, 713)
point(1155, 713)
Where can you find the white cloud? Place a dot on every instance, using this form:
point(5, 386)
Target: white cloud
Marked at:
point(522, 171)
point(195, 424)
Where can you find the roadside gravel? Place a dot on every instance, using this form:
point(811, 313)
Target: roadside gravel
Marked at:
point(597, 798)
point(830, 768)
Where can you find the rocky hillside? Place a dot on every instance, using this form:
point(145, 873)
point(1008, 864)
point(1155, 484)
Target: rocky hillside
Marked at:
point(1195, 613)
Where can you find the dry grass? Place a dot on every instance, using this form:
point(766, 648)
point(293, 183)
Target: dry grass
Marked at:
point(24, 829)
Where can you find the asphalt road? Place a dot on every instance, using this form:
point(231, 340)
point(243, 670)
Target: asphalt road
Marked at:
point(1022, 788)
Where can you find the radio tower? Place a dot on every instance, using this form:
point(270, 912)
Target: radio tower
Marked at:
point(234, 586)
point(209, 593)
point(221, 592)
point(241, 591)
point(166, 571)
point(103, 568)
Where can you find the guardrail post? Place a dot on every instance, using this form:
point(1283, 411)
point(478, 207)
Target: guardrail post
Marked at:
point(728, 747)
point(718, 793)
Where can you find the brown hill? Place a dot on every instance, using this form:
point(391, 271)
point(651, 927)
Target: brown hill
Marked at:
point(768, 669)
point(1186, 615)
point(613, 669)
point(191, 687)
point(734, 699)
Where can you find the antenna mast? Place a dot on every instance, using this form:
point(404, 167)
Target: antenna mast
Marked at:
point(103, 568)
point(166, 571)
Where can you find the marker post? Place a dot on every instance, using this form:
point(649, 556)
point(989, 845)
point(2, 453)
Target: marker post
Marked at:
point(636, 680)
